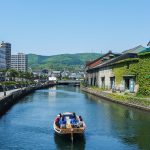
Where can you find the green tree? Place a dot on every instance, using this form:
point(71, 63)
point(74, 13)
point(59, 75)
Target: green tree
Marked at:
point(13, 74)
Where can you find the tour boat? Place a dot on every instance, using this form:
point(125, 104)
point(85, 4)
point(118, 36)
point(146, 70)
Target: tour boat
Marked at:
point(69, 124)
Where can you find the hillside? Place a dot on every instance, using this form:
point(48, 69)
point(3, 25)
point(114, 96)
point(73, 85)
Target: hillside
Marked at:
point(59, 62)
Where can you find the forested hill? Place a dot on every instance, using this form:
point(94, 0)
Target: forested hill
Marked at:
point(59, 62)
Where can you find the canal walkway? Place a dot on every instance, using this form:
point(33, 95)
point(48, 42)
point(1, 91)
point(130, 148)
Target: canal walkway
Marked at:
point(9, 92)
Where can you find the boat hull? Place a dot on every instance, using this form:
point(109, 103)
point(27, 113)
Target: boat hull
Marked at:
point(69, 130)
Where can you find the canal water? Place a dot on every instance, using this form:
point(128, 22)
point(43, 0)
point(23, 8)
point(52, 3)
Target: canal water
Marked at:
point(28, 125)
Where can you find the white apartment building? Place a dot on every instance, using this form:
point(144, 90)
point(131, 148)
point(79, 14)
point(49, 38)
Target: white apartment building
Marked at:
point(19, 62)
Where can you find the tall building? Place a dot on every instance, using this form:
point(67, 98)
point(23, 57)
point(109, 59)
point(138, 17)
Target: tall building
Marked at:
point(19, 62)
point(7, 48)
point(2, 58)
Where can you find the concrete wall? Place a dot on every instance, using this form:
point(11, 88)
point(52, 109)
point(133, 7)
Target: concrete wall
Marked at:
point(105, 73)
point(92, 79)
point(7, 101)
point(97, 77)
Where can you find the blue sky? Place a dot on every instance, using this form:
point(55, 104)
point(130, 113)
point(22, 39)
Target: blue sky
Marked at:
point(51, 27)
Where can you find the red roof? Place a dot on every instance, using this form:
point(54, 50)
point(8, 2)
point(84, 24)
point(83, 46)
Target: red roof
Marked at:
point(99, 60)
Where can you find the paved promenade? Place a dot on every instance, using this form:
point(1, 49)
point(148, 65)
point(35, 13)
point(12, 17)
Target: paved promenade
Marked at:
point(7, 93)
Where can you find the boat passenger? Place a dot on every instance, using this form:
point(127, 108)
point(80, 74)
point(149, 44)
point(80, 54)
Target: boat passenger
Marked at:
point(62, 122)
point(74, 122)
point(80, 118)
point(74, 115)
point(80, 121)
point(57, 122)
point(60, 115)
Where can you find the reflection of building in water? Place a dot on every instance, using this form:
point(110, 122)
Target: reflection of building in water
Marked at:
point(52, 93)
point(77, 89)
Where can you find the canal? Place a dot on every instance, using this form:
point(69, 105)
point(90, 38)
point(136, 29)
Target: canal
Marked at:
point(28, 125)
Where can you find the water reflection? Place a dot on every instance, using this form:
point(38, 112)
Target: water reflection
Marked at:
point(65, 143)
point(52, 92)
point(131, 126)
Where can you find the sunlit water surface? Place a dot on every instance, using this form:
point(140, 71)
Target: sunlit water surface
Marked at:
point(28, 125)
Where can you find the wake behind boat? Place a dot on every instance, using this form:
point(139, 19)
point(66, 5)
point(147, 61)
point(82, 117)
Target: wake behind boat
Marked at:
point(69, 123)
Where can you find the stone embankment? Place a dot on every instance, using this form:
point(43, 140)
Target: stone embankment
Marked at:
point(14, 96)
point(127, 102)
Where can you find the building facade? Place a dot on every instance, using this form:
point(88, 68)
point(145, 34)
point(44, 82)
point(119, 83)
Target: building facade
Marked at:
point(19, 62)
point(2, 58)
point(7, 49)
point(124, 73)
point(96, 74)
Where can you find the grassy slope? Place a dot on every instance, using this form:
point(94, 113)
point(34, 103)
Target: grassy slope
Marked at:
point(68, 61)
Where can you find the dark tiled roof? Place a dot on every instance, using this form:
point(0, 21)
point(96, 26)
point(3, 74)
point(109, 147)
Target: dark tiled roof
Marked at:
point(110, 52)
point(116, 59)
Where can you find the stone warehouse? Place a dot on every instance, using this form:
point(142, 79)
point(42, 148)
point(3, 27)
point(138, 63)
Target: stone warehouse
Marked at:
point(125, 72)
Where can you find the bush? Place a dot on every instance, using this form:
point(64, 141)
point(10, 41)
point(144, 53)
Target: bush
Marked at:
point(130, 99)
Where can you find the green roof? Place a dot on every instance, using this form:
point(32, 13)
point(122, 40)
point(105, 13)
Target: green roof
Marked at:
point(136, 50)
point(146, 50)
